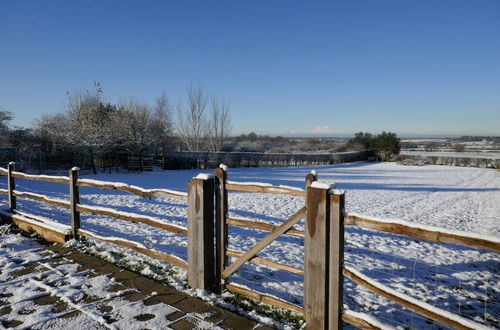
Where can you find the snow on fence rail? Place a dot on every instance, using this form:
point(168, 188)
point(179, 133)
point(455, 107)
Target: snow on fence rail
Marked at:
point(258, 187)
point(392, 226)
point(46, 229)
point(137, 247)
point(145, 193)
point(427, 233)
point(208, 266)
point(47, 178)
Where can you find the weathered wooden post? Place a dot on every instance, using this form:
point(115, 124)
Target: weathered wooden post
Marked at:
point(201, 230)
point(310, 178)
point(74, 199)
point(221, 209)
point(336, 278)
point(11, 183)
point(324, 256)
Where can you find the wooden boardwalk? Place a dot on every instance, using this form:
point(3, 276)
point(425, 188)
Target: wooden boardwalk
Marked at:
point(141, 302)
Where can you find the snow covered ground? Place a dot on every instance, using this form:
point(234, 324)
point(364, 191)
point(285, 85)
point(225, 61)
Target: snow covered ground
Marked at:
point(44, 289)
point(455, 278)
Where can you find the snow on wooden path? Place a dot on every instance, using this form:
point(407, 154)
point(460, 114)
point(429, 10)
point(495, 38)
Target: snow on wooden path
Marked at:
point(59, 288)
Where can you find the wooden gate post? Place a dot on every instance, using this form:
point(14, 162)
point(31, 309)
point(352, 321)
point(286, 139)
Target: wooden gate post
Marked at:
point(74, 199)
point(336, 278)
point(310, 178)
point(221, 209)
point(201, 243)
point(11, 183)
point(323, 279)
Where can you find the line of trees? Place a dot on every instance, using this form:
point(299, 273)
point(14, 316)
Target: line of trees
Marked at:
point(90, 130)
point(100, 129)
point(385, 145)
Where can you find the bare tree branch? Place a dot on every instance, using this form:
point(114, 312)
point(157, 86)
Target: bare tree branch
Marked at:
point(220, 123)
point(192, 127)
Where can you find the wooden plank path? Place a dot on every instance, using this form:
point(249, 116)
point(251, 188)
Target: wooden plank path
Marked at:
point(158, 304)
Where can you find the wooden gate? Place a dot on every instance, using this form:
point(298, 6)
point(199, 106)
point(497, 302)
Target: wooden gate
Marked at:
point(225, 268)
point(323, 243)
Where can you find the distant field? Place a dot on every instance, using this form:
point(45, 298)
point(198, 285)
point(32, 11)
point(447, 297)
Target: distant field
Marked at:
point(465, 154)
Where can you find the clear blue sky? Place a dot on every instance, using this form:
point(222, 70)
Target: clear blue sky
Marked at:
point(415, 67)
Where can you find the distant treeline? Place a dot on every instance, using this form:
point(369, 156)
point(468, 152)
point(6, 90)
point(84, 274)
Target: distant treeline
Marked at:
point(186, 159)
point(92, 133)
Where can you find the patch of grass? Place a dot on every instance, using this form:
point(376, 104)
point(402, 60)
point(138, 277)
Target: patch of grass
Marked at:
point(123, 260)
point(135, 267)
point(284, 316)
point(117, 254)
point(172, 272)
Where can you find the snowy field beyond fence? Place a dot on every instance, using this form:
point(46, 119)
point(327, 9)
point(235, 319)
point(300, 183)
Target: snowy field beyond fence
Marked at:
point(459, 279)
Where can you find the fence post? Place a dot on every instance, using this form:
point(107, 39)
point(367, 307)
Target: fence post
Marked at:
point(310, 178)
point(221, 209)
point(201, 243)
point(323, 283)
point(11, 183)
point(336, 278)
point(74, 199)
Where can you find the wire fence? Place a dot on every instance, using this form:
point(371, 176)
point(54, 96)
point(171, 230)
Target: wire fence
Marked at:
point(266, 280)
point(287, 250)
point(465, 283)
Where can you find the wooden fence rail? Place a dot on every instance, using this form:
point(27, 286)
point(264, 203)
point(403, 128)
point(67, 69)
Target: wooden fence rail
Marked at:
point(208, 266)
point(132, 217)
point(145, 193)
point(31, 224)
point(138, 248)
point(265, 299)
point(142, 192)
point(43, 199)
point(266, 262)
point(46, 178)
point(88, 209)
point(247, 223)
point(427, 233)
point(264, 188)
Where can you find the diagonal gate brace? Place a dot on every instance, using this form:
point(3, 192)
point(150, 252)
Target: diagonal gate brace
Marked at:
point(280, 230)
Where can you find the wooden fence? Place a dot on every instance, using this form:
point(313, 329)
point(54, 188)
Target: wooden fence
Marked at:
point(56, 233)
point(208, 267)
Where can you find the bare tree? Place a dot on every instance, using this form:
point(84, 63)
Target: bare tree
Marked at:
point(219, 124)
point(191, 122)
point(163, 123)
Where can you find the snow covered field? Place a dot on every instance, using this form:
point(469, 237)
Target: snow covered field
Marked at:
point(455, 278)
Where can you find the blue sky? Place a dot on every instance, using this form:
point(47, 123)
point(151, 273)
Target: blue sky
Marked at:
point(426, 67)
